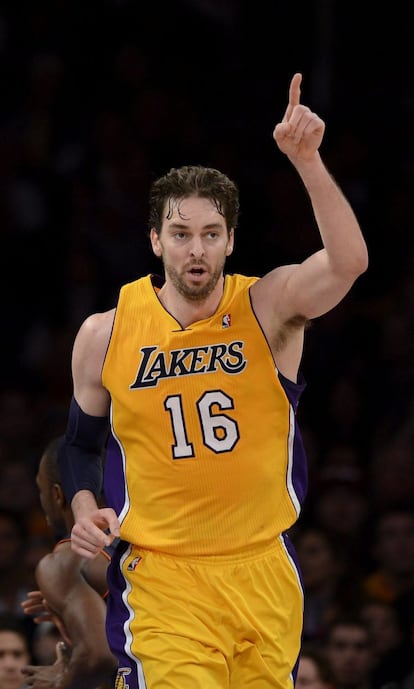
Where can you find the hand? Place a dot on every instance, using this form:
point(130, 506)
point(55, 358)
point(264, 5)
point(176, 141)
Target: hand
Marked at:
point(301, 131)
point(47, 676)
point(93, 532)
point(36, 605)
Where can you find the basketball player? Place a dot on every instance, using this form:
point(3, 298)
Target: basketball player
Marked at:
point(73, 591)
point(198, 375)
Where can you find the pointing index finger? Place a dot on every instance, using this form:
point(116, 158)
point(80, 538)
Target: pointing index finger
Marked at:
point(294, 89)
point(294, 94)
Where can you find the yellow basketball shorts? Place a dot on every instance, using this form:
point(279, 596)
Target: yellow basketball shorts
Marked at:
point(210, 623)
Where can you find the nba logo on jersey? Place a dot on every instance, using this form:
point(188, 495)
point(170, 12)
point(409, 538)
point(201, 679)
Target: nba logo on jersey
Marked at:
point(226, 321)
point(133, 564)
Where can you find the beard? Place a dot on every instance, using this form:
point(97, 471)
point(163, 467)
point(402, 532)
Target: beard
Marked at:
point(194, 292)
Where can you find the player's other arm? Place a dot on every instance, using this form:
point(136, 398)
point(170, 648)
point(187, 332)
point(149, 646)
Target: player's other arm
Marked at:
point(80, 456)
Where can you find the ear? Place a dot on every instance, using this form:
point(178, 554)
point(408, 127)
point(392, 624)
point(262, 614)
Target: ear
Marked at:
point(58, 495)
point(230, 243)
point(155, 242)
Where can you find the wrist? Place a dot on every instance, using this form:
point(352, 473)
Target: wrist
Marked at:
point(83, 503)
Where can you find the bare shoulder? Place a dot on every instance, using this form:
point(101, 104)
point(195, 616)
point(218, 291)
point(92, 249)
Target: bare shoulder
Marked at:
point(93, 336)
point(97, 326)
point(88, 356)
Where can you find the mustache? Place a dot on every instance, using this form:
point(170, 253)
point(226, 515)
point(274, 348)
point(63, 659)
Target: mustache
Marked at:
point(199, 264)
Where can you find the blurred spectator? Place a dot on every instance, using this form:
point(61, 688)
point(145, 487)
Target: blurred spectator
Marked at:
point(344, 409)
point(392, 575)
point(17, 418)
point(350, 653)
point(45, 637)
point(327, 579)
point(313, 669)
point(339, 503)
point(14, 652)
point(13, 582)
point(17, 486)
point(392, 472)
point(393, 648)
point(19, 495)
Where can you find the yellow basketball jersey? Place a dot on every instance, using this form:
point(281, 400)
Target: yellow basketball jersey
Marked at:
point(205, 456)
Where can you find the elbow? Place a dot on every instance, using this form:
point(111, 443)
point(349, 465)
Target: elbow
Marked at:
point(360, 263)
point(363, 264)
point(364, 259)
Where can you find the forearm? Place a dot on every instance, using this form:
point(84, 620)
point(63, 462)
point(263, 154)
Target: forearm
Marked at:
point(83, 504)
point(338, 226)
point(79, 455)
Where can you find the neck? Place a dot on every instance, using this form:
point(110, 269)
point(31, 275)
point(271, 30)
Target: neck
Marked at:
point(187, 311)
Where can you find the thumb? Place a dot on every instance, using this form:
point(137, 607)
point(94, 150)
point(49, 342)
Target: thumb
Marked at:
point(61, 652)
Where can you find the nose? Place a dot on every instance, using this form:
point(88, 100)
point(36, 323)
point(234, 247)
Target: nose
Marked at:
point(197, 247)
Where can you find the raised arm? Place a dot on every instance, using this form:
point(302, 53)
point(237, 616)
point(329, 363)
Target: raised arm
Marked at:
point(307, 290)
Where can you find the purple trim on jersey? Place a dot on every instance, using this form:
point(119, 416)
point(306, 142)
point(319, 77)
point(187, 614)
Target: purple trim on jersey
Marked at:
point(117, 610)
point(114, 484)
point(300, 464)
point(117, 616)
point(293, 556)
point(293, 390)
point(295, 562)
point(300, 467)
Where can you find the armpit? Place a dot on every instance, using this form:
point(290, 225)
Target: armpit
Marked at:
point(287, 328)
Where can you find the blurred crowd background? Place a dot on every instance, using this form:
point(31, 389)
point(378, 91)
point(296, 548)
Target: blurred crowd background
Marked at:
point(100, 98)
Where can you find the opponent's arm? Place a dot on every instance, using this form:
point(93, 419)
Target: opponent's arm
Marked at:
point(82, 612)
point(35, 605)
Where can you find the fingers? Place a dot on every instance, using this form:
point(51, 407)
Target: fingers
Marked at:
point(112, 522)
point(92, 533)
point(35, 595)
point(87, 540)
point(36, 607)
point(84, 546)
point(61, 652)
point(294, 89)
point(34, 599)
point(294, 95)
point(303, 122)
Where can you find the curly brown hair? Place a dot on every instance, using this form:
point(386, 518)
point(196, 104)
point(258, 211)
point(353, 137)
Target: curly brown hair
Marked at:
point(194, 180)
